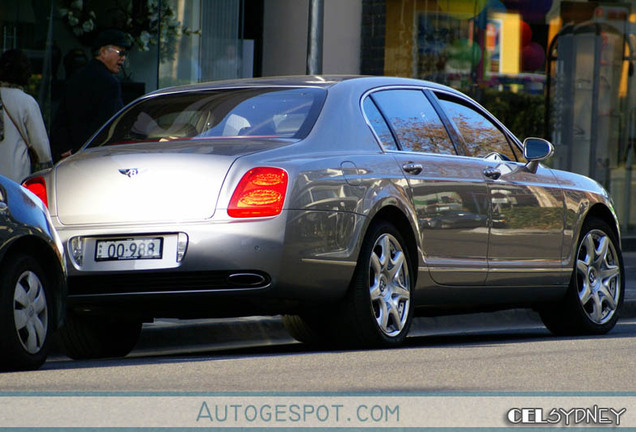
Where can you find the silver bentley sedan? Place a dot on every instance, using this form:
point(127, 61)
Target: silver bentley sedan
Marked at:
point(347, 204)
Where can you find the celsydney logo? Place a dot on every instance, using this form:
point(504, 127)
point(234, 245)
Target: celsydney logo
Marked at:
point(574, 416)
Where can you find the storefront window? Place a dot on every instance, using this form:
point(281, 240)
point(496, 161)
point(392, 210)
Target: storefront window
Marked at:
point(492, 50)
point(216, 50)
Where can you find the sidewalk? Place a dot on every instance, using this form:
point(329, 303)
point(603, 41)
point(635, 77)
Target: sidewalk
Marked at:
point(240, 332)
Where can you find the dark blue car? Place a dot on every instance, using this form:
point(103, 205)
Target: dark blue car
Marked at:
point(32, 278)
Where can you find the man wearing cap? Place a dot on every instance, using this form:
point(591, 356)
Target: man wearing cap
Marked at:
point(91, 96)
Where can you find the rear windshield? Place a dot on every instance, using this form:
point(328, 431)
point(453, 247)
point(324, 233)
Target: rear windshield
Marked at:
point(205, 115)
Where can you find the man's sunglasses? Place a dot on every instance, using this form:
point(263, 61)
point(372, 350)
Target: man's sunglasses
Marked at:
point(120, 53)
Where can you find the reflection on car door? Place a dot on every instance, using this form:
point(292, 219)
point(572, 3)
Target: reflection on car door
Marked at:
point(527, 208)
point(449, 192)
point(527, 228)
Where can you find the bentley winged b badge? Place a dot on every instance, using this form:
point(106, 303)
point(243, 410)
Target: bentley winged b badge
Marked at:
point(130, 172)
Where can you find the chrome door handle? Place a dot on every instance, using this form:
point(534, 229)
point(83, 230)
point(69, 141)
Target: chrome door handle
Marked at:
point(413, 168)
point(492, 173)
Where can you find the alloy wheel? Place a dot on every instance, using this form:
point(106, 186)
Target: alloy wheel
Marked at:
point(598, 276)
point(30, 312)
point(389, 285)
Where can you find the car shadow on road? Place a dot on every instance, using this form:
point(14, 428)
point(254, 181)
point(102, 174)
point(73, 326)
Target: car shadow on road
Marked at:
point(285, 347)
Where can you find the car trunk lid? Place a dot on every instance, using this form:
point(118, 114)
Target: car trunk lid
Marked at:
point(140, 184)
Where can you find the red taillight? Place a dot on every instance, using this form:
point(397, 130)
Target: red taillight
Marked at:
point(37, 185)
point(260, 193)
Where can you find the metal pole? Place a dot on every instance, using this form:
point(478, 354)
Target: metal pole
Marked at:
point(159, 43)
point(314, 37)
point(594, 115)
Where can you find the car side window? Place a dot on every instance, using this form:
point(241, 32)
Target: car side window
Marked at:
point(481, 136)
point(378, 124)
point(414, 121)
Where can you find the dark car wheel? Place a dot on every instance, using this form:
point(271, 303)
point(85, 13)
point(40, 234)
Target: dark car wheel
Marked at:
point(310, 329)
point(597, 287)
point(98, 337)
point(24, 314)
point(378, 308)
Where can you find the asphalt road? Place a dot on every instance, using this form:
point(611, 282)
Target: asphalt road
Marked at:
point(520, 357)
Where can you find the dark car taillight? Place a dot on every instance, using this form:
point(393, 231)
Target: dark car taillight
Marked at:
point(37, 185)
point(260, 193)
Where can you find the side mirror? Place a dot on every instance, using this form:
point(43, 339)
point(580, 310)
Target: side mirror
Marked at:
point(536, 150)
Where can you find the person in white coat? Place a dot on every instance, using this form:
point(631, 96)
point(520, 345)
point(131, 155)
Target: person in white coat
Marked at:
point(22, 129)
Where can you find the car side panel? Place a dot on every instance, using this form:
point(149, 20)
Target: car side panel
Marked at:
point(527, 227)
point(581, 195)
point(450, 197)
point(333, 200)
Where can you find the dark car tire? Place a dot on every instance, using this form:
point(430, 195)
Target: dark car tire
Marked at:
point(85, 337)
point(377, 311)
point(307, 329)
point(597, 288)
point(24, 314)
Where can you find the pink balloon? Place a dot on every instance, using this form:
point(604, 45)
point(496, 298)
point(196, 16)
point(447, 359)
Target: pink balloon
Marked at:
point(532, 57)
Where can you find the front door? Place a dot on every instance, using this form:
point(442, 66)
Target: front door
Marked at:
point(527, 209)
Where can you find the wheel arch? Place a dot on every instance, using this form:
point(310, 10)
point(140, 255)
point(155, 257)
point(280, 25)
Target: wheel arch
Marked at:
point(399, 219)
point(359, 312)
point(598, 210)
point(604, 213)
point(42, 252)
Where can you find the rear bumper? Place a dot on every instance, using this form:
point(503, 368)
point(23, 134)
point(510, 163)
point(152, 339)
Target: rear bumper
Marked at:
point(167, 282)
point(164, 295)
point(267, 266)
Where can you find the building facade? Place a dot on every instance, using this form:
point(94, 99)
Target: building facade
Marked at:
point(563, 70)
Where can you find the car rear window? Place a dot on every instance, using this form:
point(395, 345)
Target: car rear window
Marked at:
point(224, 113)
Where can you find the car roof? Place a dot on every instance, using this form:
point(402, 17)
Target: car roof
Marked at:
point(316, 81)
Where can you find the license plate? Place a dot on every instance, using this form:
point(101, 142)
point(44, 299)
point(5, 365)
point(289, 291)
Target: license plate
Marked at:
point(136, 248)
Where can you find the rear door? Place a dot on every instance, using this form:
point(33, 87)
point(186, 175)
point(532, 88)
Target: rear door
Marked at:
point(449, 192)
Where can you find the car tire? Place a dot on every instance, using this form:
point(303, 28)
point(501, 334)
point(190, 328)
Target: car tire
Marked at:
point(85, 337)
point(307, 329)
point(24, 314)
point(597, 287)
point(377, 311)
